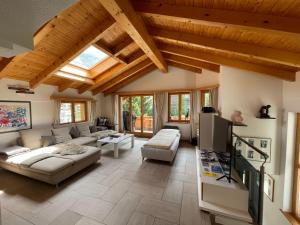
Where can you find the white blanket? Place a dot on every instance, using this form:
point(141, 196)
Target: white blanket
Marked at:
point(163, 139)
point(69, 149)
point(59, 151)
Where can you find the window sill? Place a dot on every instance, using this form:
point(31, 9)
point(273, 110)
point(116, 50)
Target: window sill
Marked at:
point(291, 218)
point(182, 122)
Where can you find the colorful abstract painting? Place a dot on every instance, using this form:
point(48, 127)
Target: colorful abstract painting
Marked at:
point(14, 116)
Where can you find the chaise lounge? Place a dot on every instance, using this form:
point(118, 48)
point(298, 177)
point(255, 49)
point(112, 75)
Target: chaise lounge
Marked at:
point(163, 146)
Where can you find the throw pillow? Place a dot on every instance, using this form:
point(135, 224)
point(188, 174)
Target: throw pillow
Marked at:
point(48, 141)
point(61, 135)
point(31, 139)
point(74, 132)
point(93, 129)
point(84, 130)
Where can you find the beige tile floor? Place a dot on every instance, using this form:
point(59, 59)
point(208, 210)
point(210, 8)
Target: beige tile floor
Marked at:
point(121, 191)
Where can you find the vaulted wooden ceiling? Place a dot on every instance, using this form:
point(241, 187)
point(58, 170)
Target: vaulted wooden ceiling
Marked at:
point(140, 36)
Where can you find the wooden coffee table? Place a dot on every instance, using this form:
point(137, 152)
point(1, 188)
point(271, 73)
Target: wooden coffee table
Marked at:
point(116, 142)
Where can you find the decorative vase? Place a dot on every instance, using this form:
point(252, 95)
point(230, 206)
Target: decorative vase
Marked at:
point(236, 117)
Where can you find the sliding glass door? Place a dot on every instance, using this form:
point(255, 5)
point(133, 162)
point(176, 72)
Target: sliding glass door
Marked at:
point(136, 114)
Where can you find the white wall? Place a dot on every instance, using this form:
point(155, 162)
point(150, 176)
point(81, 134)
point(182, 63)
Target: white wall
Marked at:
point(42, 106)
point(174, 79)
point(247, 91)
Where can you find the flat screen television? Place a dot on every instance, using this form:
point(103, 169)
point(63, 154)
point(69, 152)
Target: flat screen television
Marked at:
point(222, 135)
point(222, 145)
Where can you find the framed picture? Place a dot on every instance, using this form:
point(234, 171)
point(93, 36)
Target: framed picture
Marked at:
point(15, 116)
point(269, 186)
point(263, 144)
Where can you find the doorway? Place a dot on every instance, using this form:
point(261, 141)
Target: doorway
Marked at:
point(136, 114)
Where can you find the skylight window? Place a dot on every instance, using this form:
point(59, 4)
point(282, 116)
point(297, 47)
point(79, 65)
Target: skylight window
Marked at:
point(89, 58)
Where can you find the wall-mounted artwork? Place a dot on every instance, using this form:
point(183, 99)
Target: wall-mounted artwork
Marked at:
point(269, 186)
point(15, 116)
point(263, 144)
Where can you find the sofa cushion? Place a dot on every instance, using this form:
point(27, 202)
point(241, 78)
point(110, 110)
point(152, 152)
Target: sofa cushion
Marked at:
point(48, 141)
point(52, 165)
point(61, 135)
point(93, 129)
point(13, 150)
point(84, 130)
point(74, 132)
point(31, 139)
point(82, 140)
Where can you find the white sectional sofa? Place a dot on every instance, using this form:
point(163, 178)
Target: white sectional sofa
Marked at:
point(48, 162)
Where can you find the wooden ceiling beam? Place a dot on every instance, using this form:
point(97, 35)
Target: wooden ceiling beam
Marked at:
point(221, 45)
point(122, 76)
point(73, 77)
point(85, 42)
point(220, 17)
point(133, 24)
point(83, 88)
point(184, 66)
point(192, 62)
point(272, 71)
point(3, 63)
point(65, 86)
point(115, 71)
point(131, 79)
point(103, 66)
point(104, 77)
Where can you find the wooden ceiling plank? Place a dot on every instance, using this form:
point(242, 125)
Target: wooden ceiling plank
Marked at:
point(254, 51)
point(122, 76)
point(108, 51)
point(272, 71)
point(130, 21)
point(117, 50)
point(134, 56)
point(192, 62)
point(184, 66)
point(64, 86)
point(72, 53)
point(220, 17)
point(131, 79)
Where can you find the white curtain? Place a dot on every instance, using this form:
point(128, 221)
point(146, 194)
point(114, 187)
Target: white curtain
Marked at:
point(116, 111)
point(56, 112)
point(91, 105)
point(214, 98)
point(195, 110)
point(159, 106)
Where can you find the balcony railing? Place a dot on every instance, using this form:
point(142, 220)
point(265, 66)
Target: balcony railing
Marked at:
point(147, 124)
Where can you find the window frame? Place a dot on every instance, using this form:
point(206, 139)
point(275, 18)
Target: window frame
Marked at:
point(179, 106)
point(73, 111)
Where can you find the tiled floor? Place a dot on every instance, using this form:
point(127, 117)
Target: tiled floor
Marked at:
point(121, 191)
